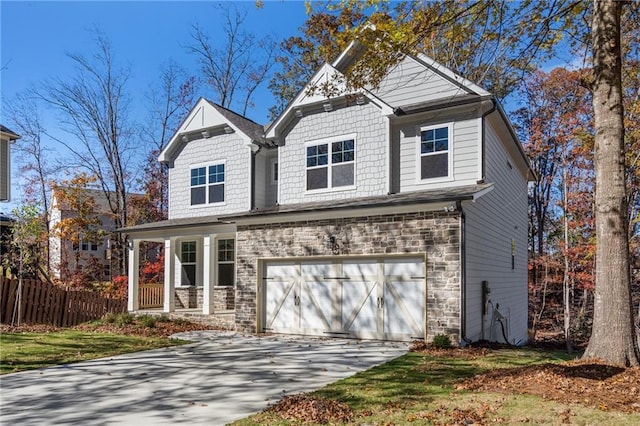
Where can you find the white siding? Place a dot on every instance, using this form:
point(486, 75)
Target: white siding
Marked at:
point(231, 149)
point(371, 153)
point(465, 151)
point(491, 223)
point(410, 82)
point(266, 189)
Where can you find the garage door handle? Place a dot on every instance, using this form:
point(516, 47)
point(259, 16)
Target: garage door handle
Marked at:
point(296, 300)
point(417, 278)
point(380, 302)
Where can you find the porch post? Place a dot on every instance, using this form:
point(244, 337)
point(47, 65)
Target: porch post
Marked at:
point(169, 275)
point(133, 247)
point(207, 304)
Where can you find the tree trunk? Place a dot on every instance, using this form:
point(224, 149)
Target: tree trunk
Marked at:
point(565, 279)
point(612, 338)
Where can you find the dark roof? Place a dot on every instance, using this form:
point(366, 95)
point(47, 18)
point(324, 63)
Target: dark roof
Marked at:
point(6, 130)
point(252, 129)
point(172, 223)
point(459, 193)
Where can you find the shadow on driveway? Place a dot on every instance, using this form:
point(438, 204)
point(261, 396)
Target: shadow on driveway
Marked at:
point(222, 377)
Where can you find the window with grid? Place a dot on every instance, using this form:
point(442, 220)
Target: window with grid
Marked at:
point(207, 184)
point(226, 262)
point(434, 152)
point(331, 164)
point(188, 260)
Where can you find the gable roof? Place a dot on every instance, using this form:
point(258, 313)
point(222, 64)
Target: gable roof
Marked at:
point(8, 134)
point(207, 115)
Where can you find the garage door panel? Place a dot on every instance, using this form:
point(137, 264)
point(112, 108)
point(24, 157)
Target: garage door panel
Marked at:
point(280, 305)
point(403, 268)
point(360, 270)
point(359, 306)
point(317, 269)
point(316, 305)
point(282, 269)
point(404, 308)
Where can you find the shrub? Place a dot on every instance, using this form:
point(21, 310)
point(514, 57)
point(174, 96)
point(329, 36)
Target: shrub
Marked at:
point(124, 319)
point(109, 318)
point(441, 341)
point(181, 321)
point(148, 321)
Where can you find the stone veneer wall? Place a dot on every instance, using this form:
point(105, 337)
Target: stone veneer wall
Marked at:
point(193, 297)
point(435, 233)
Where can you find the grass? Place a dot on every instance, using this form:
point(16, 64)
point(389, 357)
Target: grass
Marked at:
point(27, 351)
point(418, 389)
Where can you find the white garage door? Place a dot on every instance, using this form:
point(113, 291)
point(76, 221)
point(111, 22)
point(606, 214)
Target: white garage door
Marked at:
point(371, 298)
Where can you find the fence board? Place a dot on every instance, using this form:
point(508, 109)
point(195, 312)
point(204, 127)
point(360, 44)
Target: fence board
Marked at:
point(44, 303)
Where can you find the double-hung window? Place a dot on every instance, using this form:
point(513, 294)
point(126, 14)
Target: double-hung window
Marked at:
point(331, 163)
point(188, 260)
point(226, 262)
point(435, 152)
point(207, 184)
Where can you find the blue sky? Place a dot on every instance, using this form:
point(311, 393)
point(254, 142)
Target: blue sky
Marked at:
point(37, 35)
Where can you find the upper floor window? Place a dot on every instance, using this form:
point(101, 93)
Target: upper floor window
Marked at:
point(331, 163)
point(435, 152)
point(207, 184)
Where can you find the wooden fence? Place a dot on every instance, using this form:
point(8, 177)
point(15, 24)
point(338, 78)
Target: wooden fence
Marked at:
point(151, 296)
point(43, 303)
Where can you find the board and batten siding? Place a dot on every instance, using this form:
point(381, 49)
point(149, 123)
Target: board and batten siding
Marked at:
point(465, 151)
point(366, 122)
point(492, 222)
point(231, 149)
point(410, 82)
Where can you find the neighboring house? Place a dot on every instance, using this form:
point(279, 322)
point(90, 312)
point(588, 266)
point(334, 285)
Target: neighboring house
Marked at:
point(397, 213)
point(67, 257)
point(7, 137)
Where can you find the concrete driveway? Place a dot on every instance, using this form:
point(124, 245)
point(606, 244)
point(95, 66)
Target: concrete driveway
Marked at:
point(222, 377)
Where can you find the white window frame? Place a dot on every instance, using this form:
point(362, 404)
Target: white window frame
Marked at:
point(419, 154)
point(195, 263)
point(207, 184)
point(328, 141)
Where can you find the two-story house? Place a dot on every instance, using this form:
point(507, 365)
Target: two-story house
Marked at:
point(395, 213)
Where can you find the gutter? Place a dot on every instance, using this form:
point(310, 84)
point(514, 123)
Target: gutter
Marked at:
point(483, 145)
point(252, 201)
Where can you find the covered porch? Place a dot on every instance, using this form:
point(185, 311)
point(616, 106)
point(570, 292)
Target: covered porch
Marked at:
point(198, 269)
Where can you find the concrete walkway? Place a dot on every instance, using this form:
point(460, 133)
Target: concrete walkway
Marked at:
point(223, 377)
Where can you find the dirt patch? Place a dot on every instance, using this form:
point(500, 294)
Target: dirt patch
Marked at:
point(588, 383)
point(307, 409)
point(469, 352)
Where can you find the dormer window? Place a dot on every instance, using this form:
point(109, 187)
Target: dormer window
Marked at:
point(435, 152)
point(207, 184)
point(331, 163)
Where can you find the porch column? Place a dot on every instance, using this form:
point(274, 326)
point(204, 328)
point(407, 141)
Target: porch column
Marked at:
point(169, 275)
point(133, 247)
point(207, 304)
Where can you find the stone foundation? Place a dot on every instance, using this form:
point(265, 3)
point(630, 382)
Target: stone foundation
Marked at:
point(193, 297)
point(435, 233)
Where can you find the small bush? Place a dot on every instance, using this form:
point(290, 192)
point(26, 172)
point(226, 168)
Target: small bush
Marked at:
point(109, 318)
point(441, 341)
point(124, 319)
point(181, 321)
point(148, 321)
point(163, 318)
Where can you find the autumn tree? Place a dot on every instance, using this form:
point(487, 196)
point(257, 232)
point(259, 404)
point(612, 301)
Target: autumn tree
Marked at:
point(235, 69)
point(93, 106)
point(80, 225)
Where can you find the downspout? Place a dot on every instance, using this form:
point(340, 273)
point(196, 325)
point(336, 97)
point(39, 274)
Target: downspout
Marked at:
point(483, 139)
point(463, 277)
point(253, 174)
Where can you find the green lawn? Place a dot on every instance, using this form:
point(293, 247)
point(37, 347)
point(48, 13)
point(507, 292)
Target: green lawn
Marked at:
point(417, 389)
point(26, 351)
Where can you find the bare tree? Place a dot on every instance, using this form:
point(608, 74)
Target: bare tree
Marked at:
point(237, 68)
point(169, 100)
point(36, 168)
point(93, 110)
